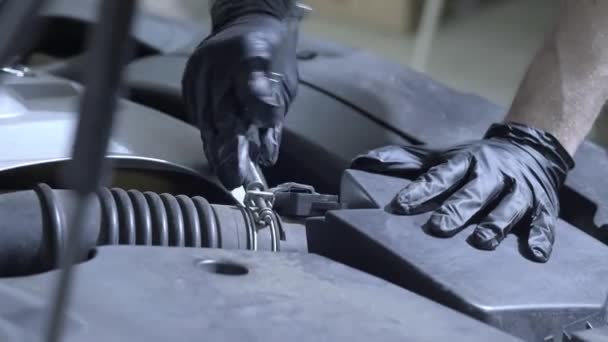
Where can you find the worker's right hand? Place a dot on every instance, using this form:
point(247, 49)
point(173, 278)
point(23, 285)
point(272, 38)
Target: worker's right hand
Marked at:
point(239, 83)
point(510, 178)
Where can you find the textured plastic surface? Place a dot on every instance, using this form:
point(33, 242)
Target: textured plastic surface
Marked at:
point(502, 288)
point(401, 99)
point(187, 294)
point(67, 23)
point(583, 326)
point(585, 200)
point(592, 335)
point(38, 119)
point(155, 81)
point(159, 33)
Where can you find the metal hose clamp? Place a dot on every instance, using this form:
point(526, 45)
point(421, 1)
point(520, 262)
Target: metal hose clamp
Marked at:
point(18, 71)
point(258, 205)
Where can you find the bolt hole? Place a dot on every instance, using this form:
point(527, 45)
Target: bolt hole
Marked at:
point(226, 268)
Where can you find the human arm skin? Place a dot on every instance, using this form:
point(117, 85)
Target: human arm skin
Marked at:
point(566, 85)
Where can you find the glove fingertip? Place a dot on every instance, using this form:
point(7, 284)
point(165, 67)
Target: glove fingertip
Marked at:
point(268, 160)
point(401, 204)
point(442, 225)
point(540, 253)
point(484, 238)
point(542, 235)
point(399, 208)
point(270, 146)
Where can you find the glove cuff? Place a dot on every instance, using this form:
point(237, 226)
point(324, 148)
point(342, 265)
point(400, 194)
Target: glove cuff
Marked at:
point(225, 11)
point(543, 142)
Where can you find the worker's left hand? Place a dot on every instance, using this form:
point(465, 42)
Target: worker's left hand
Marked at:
point(510, 177)
point(239, 83)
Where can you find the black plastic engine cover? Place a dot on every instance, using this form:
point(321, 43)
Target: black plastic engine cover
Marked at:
point(503, 288)
point(401, 99)
point(164, 294)
point(161, 34)
point(65, 26)
point(591, 335)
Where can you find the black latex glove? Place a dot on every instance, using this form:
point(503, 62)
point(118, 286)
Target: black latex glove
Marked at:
point(239, 83)
point(511, 176)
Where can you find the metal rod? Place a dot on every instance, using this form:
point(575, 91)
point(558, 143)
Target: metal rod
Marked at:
point(274, 233)
point(88, 168)
point(266, 216)
point(15, 18)
point(258, 182)
point(426, 33)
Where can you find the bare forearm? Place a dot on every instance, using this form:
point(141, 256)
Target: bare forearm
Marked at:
point(566, 85)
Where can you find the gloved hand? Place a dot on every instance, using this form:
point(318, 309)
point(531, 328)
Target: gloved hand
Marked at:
point(239, 83)
point(510, 177)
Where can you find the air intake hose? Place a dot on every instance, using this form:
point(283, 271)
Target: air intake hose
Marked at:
point(136, 218)
point(33, 226)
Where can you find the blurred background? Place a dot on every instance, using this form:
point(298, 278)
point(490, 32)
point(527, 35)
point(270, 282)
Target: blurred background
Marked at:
point(477, 46)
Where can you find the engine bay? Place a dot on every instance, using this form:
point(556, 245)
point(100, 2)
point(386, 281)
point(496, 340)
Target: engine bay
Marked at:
point(166, 252)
